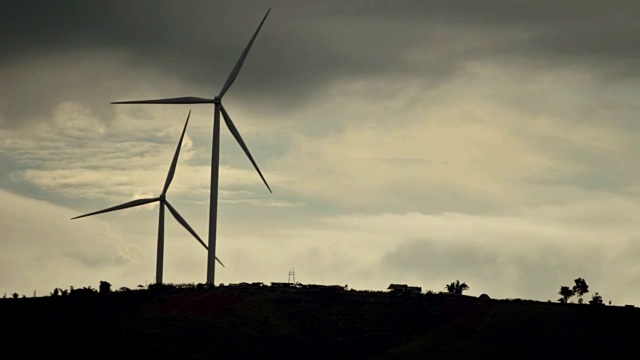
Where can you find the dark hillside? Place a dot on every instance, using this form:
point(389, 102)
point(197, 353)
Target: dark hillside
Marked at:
point(227, 323)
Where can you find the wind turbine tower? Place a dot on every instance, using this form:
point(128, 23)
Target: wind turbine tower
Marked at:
point(162, 202)
point(218, 109)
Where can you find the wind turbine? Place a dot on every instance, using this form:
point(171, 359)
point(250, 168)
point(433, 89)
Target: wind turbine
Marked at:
point(163, 201)
point(215, 147)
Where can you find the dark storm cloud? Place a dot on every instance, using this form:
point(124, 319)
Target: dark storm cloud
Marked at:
point(306, 45)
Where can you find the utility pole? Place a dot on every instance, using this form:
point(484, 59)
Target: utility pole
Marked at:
point(292, 275)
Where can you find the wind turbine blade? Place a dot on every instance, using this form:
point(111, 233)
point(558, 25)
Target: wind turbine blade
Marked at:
point(126, 205)
point(184, 223)
point(243, 56)
point(174, 162)
point(244, 147)
point(178, 100)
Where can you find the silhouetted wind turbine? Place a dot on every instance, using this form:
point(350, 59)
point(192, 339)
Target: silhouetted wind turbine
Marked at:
point(215, 148)
point(163, 201)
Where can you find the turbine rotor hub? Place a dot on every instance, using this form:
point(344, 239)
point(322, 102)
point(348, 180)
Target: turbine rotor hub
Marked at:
point(217, 100)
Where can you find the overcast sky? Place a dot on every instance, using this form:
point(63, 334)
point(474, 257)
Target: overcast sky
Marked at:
point(416, 142)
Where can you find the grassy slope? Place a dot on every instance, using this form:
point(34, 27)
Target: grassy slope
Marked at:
point(247, 323)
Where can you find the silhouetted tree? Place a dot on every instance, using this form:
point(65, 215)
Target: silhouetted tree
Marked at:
point(15, 295)
point(56, 292)
point(566, 293)
point(580, 288)
point(596, 299)
point(456, 287)
point(105, 287)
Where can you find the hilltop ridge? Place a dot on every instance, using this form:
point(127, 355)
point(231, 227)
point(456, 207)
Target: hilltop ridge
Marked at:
point(169, 322)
